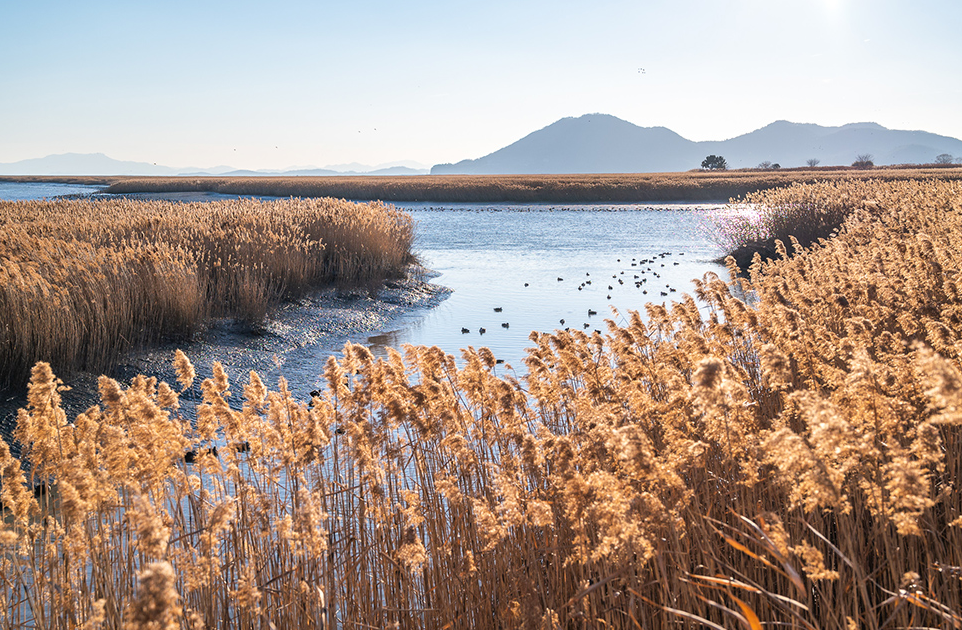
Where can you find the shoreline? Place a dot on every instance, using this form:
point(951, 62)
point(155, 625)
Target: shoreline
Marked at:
point(698, 185)
point(319, 324)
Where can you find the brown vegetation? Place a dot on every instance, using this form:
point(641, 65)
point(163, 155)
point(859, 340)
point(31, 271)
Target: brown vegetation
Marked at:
point(790, 462)
point(82, 282)
point(801, 213)
point(637, 187)
point(689, 186)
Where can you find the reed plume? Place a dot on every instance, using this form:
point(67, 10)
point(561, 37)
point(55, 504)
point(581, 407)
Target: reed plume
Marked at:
point(793, 460)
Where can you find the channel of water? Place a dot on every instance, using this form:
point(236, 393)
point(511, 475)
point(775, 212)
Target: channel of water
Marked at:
point(506, 269)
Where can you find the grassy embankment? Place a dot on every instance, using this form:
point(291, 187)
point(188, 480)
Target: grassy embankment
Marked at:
point(83, 282)
point(791, 462)
point(640, 187)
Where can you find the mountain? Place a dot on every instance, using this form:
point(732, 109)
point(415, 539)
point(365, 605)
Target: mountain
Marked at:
point(594, 143)
point(599, 143)
point(82, 164)
point(100, 164)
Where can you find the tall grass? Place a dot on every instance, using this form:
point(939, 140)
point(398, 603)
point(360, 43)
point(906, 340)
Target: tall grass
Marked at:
point(800, 215)
point(794, 462)
point(82, 282)
point(631, 187)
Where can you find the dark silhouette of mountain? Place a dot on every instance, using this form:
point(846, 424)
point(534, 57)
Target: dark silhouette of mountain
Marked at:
point(599, 143)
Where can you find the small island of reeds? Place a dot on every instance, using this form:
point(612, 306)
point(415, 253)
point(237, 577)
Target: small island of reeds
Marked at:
point(788, 460)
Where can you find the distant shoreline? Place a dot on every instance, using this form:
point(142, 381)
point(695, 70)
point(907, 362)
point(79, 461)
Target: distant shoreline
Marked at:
point(584, 188)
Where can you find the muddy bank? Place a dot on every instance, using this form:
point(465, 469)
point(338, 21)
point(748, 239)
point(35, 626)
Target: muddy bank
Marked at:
point(295, 342)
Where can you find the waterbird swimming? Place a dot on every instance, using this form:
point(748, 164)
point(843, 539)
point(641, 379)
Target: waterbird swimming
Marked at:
point(505, 325)
point(482, 331)
point(591, 312)
point(191, 456)
point(464, 330)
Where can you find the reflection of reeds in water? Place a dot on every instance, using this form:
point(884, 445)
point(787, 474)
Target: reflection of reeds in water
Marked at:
point(794, 462)
point(628, 187)
point(81, 282)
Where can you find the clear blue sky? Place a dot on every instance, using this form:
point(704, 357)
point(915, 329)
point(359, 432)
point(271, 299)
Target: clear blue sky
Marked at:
point(284, 83)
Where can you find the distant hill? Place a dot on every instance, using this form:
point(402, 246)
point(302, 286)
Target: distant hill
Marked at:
point(599, 143)
point(82, 164)
point(100, 164)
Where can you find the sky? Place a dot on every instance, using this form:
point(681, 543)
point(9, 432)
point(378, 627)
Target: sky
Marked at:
point(285, 83)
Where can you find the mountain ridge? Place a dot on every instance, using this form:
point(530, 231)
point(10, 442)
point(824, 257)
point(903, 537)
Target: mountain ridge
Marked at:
point(601, 143)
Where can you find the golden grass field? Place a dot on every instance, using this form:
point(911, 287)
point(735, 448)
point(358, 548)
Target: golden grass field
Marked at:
point(640, 187)
point(790, 461)
point(82, 282)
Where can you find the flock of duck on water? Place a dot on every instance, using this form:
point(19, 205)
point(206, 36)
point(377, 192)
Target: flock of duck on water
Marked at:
point(638, 280)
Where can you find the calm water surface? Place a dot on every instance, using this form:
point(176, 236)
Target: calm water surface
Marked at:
point(533, 262)
point(16, 191)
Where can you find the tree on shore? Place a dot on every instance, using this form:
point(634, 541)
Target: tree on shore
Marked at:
point(863, 160)
point(714, 163)
point(812, 162)
point(943, 158)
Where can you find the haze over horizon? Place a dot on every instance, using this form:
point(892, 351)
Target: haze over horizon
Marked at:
point(295, 84)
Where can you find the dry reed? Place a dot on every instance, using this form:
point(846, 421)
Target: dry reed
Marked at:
point(794, 461)
point(803, 212)
point(629, 187)
point(82, 282)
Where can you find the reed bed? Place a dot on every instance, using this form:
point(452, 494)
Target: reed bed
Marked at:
point(793, 461)
point(631, 187)
point(82, 282)
point(803, 212)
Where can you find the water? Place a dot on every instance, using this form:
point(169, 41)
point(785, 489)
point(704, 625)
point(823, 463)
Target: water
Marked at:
point(17, 191)
point(482, 257)
point(487, 254)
